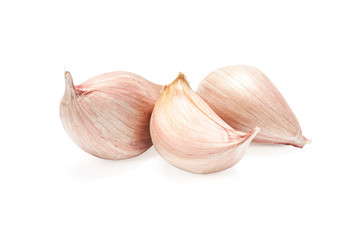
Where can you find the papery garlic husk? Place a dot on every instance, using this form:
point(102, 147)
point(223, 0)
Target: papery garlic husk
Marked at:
point(244, 98)
point(108, 116)
point(190, 136)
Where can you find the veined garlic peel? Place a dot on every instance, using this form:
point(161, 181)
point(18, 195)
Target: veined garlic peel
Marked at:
point(244, 98)
point(189, 135)
point(108, 116)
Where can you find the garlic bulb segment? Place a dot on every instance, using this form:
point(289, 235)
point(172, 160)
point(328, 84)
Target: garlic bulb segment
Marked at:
point(108, 116)
point(244, 98)
point(190, 136)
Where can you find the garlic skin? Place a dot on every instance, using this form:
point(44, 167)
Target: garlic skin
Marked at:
point(190, 136)
point(244, 98)
point(108, 116)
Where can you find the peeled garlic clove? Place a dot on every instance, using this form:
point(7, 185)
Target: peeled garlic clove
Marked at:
point(244, 98)
point(108, 116)
point(189, 135)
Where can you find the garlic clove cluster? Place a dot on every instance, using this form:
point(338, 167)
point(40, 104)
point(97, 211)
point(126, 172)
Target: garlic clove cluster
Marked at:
point(244, 98)
point(190, 135)
point(108, 116)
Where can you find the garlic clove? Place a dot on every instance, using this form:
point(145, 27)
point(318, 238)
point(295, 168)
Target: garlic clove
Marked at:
point(188, 134)
point(108, 116)
point(244, 98)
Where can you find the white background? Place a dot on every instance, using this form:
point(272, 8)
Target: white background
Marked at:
point(51, 189)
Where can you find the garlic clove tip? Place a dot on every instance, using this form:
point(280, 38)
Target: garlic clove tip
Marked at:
point(180, 78)
point(70, 91)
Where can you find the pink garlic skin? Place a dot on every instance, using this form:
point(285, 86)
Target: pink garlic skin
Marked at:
point(244, 98)
point(108, 116)
point(188, 134)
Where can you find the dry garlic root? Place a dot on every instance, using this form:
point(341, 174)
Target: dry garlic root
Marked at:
point(188, 134)
point(108, 116)
point(244, 98)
